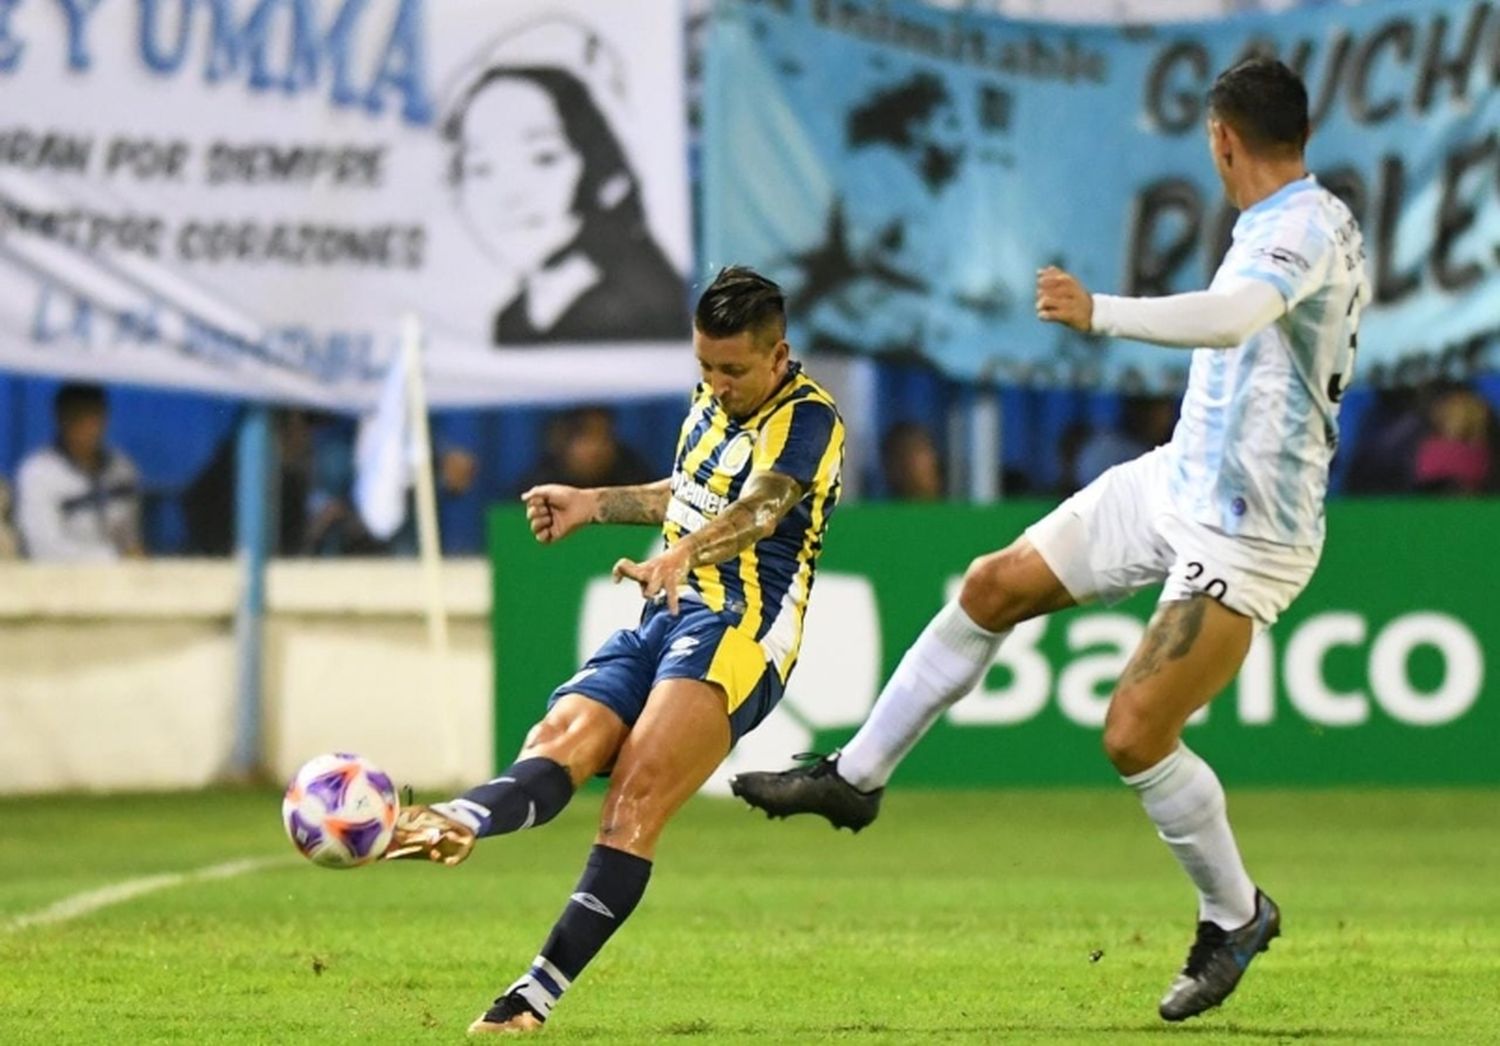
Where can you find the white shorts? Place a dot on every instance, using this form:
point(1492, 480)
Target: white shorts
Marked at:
point(1122, 533)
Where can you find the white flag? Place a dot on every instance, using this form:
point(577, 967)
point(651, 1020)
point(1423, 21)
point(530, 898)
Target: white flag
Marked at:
point(383, 453)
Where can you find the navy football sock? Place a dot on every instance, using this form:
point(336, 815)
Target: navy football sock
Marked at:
point(612, 885)
point(530, 792)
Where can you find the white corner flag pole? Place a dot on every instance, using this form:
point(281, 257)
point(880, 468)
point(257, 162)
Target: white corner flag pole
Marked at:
point(429, 543)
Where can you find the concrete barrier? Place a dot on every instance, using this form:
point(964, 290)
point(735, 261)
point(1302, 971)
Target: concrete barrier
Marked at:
point(122, 676)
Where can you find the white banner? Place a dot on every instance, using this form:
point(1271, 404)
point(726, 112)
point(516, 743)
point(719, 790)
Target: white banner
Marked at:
point(243, 196)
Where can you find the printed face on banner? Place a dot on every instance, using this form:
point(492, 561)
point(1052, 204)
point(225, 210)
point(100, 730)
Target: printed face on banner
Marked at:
point(548, 192)
point(518, 175)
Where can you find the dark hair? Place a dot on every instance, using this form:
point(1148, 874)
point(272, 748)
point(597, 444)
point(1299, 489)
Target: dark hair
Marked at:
point(576, 419)
point(76, 399)
point(587, 131)
point(741, 299)
point(1266, 102)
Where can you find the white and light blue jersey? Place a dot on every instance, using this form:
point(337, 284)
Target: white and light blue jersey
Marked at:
point(1259, 422)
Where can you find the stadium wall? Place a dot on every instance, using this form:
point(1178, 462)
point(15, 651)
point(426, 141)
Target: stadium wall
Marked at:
point(123, 676)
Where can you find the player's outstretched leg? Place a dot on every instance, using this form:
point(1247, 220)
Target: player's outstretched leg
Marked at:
point(680, 737)
point(946, 662)
point(1190, 651)
point(576, 739)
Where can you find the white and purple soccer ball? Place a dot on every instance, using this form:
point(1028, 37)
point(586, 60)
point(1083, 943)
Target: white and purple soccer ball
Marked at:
point(339, 810)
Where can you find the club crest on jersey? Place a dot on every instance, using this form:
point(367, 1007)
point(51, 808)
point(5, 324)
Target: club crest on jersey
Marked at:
point(736, 453)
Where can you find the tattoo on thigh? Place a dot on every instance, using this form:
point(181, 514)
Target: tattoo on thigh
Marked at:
point(1169, 637)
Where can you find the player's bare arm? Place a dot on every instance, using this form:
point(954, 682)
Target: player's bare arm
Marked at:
point(641, 504)
point(555, 510)
point(766, 498)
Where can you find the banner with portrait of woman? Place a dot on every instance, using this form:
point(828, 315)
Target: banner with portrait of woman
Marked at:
point(245, 196)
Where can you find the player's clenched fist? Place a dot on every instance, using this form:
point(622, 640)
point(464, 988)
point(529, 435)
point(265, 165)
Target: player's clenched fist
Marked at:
point(555, 511)
point(1060, 298)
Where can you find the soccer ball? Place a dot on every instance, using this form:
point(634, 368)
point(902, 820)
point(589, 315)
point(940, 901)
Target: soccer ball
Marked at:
point(339, 810)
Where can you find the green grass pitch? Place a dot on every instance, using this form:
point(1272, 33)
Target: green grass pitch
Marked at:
point(1015, 917)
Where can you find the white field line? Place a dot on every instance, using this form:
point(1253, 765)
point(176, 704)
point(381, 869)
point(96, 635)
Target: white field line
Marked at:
point(77, 905)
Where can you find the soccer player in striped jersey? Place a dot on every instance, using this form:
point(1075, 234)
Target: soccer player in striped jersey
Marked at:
point(658, 707)
point(1229, 514)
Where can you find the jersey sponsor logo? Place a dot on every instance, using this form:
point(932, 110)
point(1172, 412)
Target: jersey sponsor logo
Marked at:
point(689, 519)
point(696, 495)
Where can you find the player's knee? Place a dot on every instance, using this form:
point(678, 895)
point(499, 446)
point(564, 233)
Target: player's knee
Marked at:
point(1125, 748)
point(992, 593)
point(546, 732)
point(560, 720)
point(574, 737)
point(1133, 743)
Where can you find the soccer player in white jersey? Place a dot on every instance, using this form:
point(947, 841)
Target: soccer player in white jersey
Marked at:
point(1228, 514)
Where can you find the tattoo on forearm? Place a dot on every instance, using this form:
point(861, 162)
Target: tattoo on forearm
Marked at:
point(767, 497)
point(735, 530)
point(1169, 637)
point(644, 504)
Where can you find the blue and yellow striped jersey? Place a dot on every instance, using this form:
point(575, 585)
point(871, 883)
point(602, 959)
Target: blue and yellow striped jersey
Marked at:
point(797, 432)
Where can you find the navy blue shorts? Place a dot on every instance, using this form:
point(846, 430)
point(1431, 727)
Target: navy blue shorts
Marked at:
point(696, 644)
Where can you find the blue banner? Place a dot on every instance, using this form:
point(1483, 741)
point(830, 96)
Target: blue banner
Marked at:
point(905, 170)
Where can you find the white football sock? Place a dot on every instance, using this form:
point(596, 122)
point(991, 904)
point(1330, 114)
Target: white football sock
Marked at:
point(947, 660)
point(1185, 801)
point(541, 986)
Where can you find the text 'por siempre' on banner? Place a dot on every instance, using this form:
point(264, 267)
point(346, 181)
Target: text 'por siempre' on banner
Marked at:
point(243, 196)
point(905, 170)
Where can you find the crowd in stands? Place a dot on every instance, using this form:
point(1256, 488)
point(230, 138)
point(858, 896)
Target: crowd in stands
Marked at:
point(78, 497)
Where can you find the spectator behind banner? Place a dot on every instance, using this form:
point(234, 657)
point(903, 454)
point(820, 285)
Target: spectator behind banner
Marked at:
point(10, 541)
point(546, 189)
point(1384, 453)
point(1145, 422)
point(1457, 454)
point(208, 503)
point(911, 465)
point(582, 450)
point(79, 500)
